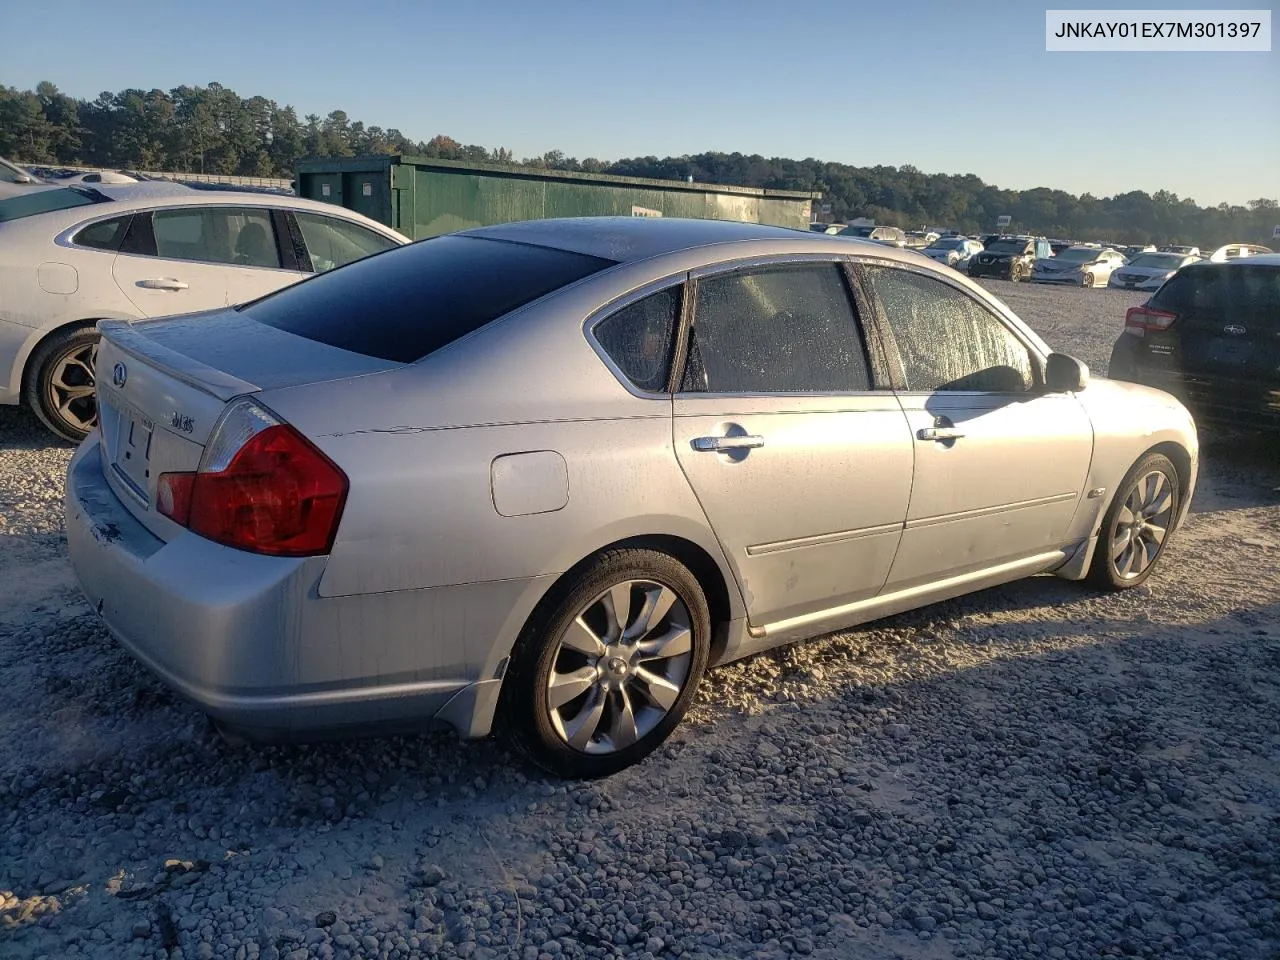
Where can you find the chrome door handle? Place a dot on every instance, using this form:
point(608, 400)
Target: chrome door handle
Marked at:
point(720, 444)
point(940, 434)
point(164, 283)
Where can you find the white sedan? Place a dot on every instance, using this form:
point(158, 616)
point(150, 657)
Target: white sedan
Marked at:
point(72, 256)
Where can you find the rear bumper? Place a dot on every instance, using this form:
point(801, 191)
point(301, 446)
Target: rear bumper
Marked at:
point(249, 641)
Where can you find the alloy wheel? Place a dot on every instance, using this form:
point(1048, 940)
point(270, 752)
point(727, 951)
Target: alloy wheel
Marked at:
point(70, 386)
point(1142, 525)
point(620, 667)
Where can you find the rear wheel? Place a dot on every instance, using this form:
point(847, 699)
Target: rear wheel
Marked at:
point(603, 675)
point(59, 383)
point(1137, 524)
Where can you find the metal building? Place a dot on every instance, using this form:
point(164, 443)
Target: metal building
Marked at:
point(422, 197)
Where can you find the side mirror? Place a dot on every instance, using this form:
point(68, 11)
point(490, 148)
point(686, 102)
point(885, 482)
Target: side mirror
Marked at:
point(1065, 374)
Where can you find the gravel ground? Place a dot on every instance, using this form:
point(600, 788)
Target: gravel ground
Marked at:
point(1033, 771)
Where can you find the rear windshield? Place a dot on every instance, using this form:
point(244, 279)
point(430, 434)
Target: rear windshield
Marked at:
point(1161, 261)
point(47, 201)
point(946, 245)
point(1224, 291)
point(406, 303)
point(857, 231)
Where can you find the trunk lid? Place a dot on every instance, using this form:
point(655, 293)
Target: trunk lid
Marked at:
point(163, 384)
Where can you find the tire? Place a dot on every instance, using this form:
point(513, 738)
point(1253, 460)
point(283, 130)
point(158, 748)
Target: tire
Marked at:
point(59, 380)
point(1119, 549)
point(1087, 283)
point(1016, 273)
point(640, 689)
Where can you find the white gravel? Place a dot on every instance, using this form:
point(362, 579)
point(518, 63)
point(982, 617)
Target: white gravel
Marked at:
point(1033, 771)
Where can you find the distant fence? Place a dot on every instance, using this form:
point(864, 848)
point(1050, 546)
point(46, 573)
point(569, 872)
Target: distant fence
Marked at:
point(275, 183)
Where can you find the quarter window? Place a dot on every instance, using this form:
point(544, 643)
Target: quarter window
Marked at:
point(946, 340)
point(332, 242)
point(638, 338)
point(216, 235)
point(103, 235)
point(780, 329)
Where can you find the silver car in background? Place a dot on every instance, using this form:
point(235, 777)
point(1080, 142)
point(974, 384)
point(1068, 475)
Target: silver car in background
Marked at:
point(955, 252)
point(16, 181)
point(1082, 265)
point(1149, 271)
point(540, 476)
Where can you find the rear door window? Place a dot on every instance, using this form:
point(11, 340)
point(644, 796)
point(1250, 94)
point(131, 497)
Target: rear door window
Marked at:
point(776, 329)
point(409, 302)
point(232, 235)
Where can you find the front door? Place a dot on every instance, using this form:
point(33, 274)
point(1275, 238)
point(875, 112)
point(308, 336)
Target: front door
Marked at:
point(1000, 464)
point(802, 468)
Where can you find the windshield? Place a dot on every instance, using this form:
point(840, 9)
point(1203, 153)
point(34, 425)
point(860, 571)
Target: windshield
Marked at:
point(946, 245)
point(1079, 255)
point(408, 302)
point(857, 231)
point(1159, 261)
point(47, 201)
point(1007, 246)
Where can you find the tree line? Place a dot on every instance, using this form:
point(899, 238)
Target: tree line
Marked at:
point(212, 129)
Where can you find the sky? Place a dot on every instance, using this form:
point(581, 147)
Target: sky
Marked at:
point(946, 86)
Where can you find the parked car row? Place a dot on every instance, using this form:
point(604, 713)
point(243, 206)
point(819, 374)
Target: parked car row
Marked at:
point(72, 256)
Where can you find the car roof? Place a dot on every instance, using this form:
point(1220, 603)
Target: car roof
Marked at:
point(625, 239)
point(126, 197)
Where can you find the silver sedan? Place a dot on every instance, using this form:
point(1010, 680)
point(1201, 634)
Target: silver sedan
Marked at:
point(540, 476)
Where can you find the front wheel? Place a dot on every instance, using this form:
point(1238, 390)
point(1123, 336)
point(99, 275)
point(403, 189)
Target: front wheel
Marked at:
point(1017, 273)
point(60, 380)
point(1137, 525)
point(602, 676)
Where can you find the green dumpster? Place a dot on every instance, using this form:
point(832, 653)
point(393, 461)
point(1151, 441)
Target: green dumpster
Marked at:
point(422, 197)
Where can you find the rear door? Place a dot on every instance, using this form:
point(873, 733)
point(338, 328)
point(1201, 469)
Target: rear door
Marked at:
point(802, 467)
point(1227, 323)
point(188, 258)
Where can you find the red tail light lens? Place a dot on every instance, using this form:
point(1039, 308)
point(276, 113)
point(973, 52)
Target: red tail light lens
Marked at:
point(275, 494)
point(1141, 319)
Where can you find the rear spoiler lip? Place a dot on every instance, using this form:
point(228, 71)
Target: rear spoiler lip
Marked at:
point(211, 380)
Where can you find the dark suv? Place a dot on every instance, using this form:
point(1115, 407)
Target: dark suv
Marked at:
point(1211, 337)
point(1010, 258)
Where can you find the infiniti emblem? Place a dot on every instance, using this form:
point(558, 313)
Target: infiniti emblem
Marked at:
point(1234, 329)
point(119, 374)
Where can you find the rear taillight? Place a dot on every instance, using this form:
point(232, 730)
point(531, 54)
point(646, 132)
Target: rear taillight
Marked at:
point(1138, 320)
point(262, 487)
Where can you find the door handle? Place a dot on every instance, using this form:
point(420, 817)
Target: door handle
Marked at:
point(721, 444)
point(164, 283)
point(940, 434)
